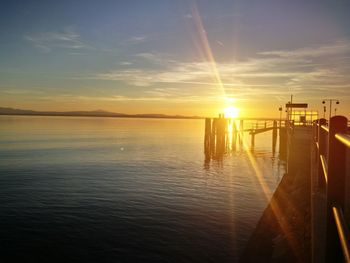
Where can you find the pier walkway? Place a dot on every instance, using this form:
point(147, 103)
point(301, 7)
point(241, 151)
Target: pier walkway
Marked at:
point(283, 233)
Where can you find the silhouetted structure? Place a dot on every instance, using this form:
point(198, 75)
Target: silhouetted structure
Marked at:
point(307, 217)
point(330, 170)
point(221, 134)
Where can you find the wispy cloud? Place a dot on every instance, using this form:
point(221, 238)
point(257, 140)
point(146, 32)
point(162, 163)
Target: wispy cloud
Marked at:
point(66, 39)
point(305, 70)
point(156, 58)
point(134, 40)
point(335, 48)
point(125, 63)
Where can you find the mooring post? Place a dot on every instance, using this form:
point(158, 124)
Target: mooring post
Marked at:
point(227, 124)
point(224, 133)
point(207, 138)
point(322, 136)
point(220, 137)
point(335, 185)
point(213, 136)
point(283, 143)
point(274, 136)
point(241, 134)
point(241, 126)
point(234, 135)
point(252, 144)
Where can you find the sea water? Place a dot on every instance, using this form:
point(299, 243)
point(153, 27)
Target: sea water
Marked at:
point(84, 189)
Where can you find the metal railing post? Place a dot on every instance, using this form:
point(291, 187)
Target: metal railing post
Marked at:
point(322, 135)
point(315, 130)
point(315, 138)
point(335, 185)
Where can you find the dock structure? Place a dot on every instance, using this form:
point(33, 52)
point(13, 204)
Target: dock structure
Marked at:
point(308, 217)
point(222, 135)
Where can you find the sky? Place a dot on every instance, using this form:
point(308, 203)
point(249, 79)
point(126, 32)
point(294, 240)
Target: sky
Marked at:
point(174, 56)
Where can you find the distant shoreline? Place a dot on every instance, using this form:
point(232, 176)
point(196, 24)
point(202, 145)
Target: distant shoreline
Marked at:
point(97, 113)
point(133, 116)
point(104, 116)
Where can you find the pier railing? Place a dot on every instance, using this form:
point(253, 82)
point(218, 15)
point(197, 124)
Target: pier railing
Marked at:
point(332, 147)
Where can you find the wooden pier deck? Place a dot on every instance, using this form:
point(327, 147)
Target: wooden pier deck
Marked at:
point(283, 232)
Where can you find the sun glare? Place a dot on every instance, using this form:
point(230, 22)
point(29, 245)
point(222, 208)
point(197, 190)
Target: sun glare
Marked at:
point(231, 112)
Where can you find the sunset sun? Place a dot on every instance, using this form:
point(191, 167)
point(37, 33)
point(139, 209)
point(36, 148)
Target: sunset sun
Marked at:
point(231, 112)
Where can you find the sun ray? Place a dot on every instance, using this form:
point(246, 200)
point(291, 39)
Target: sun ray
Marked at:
point(205, 47)
point(275, 207)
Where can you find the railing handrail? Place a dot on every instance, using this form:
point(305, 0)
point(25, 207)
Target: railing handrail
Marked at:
point(342, 231)
point(324, 127)
point(343, 138)
point(324, 167)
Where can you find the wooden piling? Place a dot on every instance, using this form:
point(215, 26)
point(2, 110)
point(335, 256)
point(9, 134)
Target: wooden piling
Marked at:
point(227, 135)
point(207, 138)
point(220, 137)
point(283, 143)
point(213, 136)
point(241, 134)
point(252, 143)
point(274, 136)
point(234, 135)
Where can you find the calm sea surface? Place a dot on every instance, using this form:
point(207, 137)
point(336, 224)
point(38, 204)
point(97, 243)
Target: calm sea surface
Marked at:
point(126, 190)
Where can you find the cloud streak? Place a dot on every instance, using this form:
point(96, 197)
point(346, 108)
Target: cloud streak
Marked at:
point(65, 39)
point(306, 70)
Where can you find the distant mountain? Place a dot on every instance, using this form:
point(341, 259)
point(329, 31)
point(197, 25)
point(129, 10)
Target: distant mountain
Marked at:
point(96, 113)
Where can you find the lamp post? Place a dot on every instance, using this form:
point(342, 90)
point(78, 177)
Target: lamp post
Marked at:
point(330, 105)
point(280, 109)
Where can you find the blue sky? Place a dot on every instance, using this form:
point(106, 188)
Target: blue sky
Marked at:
point(174, 57)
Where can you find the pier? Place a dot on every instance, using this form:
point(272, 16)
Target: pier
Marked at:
point(223, 134)
point(308, 216)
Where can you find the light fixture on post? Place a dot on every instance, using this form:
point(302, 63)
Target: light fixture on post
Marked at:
point(330, 105)
point(280, 109)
